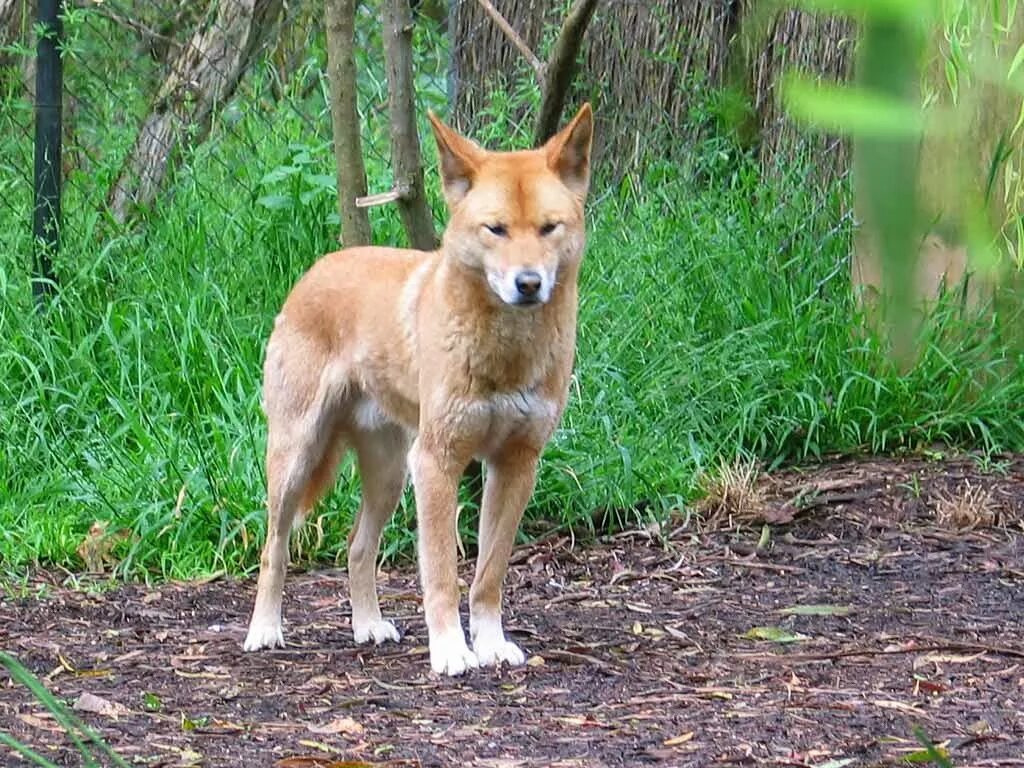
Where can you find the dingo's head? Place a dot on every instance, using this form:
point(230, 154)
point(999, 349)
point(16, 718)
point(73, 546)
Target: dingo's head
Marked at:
point(517, 216)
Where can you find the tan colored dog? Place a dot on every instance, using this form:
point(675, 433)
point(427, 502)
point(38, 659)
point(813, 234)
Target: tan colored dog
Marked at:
point(428, 360)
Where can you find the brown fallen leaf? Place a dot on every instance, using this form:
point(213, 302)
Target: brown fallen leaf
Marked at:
point(582, 721)
point(338, 725)
point(43, 721)
point(98, 545)
point(778, 514)
point(321, 761)
point(320, 746)
point(940, 658)
point(675, 741)
point(899, 706)
point(189, 758)
point(97, 705)
point(979, 727)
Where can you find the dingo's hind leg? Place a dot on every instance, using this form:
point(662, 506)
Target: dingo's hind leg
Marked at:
point(381, 453)
point(302, 442)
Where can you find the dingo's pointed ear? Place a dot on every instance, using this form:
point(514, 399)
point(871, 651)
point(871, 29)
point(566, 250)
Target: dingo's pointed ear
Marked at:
point(569, 152)
point(460, 160)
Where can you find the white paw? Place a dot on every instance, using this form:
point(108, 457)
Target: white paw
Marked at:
point(379, 631)
point(264, 634)
point(449, 654)
point(493, 649)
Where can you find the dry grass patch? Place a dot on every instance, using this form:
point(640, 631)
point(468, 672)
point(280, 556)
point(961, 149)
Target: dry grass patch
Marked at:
point(731, 495)
point(970, 507)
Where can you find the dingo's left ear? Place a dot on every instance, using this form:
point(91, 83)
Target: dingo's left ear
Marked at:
point(568, 152)
point(460, 160)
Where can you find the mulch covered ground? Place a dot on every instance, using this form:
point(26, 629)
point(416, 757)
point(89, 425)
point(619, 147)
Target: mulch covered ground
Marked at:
point(666, 647)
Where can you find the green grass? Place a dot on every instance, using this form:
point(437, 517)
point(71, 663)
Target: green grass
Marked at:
point(715, 320)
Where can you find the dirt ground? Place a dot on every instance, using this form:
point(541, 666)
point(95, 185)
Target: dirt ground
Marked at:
point(665, 647)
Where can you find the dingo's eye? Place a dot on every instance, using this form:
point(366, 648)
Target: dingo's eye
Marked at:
point(497, 229)
point(548, 228)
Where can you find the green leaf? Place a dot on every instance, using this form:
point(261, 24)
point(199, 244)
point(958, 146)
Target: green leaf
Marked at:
point(774, 635)
point(1018, 59)
point(819, 609)
point(321, 180)
point(279, 174)
point(912, 11)
point(275, 202)
point(930, 753)
point(933, 755)
point(850, 110)
point(188, 724)
point(953, 80)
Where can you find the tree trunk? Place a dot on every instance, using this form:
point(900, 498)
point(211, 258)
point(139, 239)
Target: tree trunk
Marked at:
point(203, 76)
point(405, 146)
point(348, 151)
point(561, 69)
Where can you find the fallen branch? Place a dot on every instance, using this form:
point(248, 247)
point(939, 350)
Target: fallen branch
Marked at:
point(515, 39)
point(138, 28)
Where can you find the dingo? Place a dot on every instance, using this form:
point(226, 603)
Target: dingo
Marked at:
point(427, 360)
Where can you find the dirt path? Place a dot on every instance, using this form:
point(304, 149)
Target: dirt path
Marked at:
point(641, 643)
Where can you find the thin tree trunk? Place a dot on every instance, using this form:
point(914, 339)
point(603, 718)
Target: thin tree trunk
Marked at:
point(561, 69)
point(407, 161)
point(203, 76)
point(406, 158)
point(348, 151)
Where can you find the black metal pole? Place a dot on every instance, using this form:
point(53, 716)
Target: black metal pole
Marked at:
point(48, 169)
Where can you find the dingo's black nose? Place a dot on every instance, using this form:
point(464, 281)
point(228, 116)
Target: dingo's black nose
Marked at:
point(528, 283)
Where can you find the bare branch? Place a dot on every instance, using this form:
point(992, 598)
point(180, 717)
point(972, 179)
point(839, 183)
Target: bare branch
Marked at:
point(348, 150)
point(515, 39)
point(561, 68)
point(139, 28)
point(405, 146)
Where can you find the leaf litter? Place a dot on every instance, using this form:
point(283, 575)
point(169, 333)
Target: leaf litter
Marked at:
point(824, 644)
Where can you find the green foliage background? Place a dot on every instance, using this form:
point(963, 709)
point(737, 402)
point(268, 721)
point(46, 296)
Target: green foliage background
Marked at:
point(716, 320)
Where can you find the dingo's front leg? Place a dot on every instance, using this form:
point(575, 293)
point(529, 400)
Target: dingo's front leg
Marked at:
point(510, 481)
point(435, 480)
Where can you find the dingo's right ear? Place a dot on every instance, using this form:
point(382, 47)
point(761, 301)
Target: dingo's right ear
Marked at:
point(460, 160)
